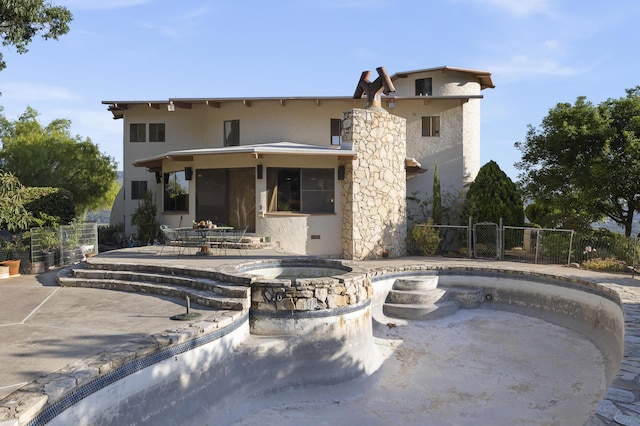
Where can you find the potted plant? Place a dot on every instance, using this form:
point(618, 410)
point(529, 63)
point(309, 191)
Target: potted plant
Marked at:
point(49, 239)
point(14, 217)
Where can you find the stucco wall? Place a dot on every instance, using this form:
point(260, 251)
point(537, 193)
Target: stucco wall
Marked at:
point(374, 188)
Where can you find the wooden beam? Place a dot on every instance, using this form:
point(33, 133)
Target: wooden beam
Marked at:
point(317, 102)
point(212, 104)
point(387, 84)
point(182, 105)
point(282, 102)
point(120, 106)
point(347, 157)
point(362, 84)
point(153, 105)
point(180, 157)
point(247, 103)
point(464, 101)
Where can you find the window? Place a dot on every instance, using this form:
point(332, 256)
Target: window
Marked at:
point(137, 132)
point(301, 190)
point(232, 133)
point(424, 87)
point(336, 131)
point(176, 192)
point(138, 188)
point(156, 132)
point(431, 126)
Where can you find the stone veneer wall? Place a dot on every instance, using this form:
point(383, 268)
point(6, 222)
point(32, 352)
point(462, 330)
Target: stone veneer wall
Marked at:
point(374, 188)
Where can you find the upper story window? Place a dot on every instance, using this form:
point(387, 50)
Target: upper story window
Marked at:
point(336, 131)
point(176, 192)
point(156, 132)
point(424, 87)
point(301, 190)
point(138, 188)
point(232, 133)
point(137, 132)
point(431, 126)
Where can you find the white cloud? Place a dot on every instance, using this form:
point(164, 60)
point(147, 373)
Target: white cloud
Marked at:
point(346, 4)
point(99, 4)
point(518, 7)
point(33, 92)
point(522, 66)
point(168, 31)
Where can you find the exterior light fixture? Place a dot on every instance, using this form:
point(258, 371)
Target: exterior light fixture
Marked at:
point(171, 107)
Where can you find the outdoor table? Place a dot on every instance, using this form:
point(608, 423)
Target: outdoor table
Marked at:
point(204, 234)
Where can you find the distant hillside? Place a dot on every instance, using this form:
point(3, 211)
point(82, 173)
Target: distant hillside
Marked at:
point(102, 216)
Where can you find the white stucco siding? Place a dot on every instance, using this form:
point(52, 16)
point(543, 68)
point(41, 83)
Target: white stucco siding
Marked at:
point(447, 149)
point(444, 83)
point(471, 147)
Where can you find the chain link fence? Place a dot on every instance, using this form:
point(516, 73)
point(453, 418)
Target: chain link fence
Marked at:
point(599, 250)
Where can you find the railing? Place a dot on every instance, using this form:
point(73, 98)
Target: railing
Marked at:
point(63, 245)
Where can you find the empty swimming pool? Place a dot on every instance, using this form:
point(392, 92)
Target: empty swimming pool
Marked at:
point(536, 350)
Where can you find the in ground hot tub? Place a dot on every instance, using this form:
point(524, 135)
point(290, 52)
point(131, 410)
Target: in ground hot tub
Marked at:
point(309, 297)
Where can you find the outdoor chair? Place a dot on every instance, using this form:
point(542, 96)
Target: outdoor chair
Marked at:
point(234, 240)
point(170, 236)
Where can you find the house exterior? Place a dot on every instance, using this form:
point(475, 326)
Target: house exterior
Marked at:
point(324, 176)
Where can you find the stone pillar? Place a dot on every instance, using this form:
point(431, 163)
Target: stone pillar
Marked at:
point(374, 188)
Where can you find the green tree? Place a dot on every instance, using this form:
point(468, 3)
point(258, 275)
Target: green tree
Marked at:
point(437, 197)
point(13, 215)
point(22, 20)
point(583, 163)
point(492, 196)
point(50, 156)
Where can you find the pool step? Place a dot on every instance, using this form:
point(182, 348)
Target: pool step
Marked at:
point(203, 291)
point(422, 299)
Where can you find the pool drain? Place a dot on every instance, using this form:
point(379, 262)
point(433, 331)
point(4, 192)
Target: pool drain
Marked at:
point(488, 297)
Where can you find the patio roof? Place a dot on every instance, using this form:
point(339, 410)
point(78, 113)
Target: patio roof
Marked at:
point(257, 151)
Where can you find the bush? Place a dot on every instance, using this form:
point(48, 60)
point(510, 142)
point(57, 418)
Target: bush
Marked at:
point(427, 238)
point(605, 265)
point(144, 217)
point(53, 206)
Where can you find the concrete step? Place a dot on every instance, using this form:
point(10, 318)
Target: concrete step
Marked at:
point(412, 297)
point(217, 287)
point(421, 311)
point(200, 297)
point(427, 282)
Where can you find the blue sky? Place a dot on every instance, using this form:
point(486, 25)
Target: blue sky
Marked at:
point(540, 52)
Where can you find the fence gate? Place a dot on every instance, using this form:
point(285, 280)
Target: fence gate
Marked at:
point(486, 240)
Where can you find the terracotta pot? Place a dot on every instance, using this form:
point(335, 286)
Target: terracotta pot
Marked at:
point(14, 266)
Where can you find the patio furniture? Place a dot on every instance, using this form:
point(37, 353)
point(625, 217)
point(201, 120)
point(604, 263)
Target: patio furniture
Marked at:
point(234, 240)
point(170, 236)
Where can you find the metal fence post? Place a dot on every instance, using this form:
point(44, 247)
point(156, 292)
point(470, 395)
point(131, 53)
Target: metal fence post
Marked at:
point(469, 242)
point(570, 248)
point(500, 240)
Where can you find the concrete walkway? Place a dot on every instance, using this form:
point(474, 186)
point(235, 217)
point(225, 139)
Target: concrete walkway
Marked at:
point(44, 327)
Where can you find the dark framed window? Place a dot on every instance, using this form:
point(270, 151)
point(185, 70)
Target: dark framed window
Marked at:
point(156, 132)
point(336, 131)
point(138, 188)
point(176, 192)
point(301, 190)
point(232, 133)
point(137, 132)
point(424, 87)
point(431, 126)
